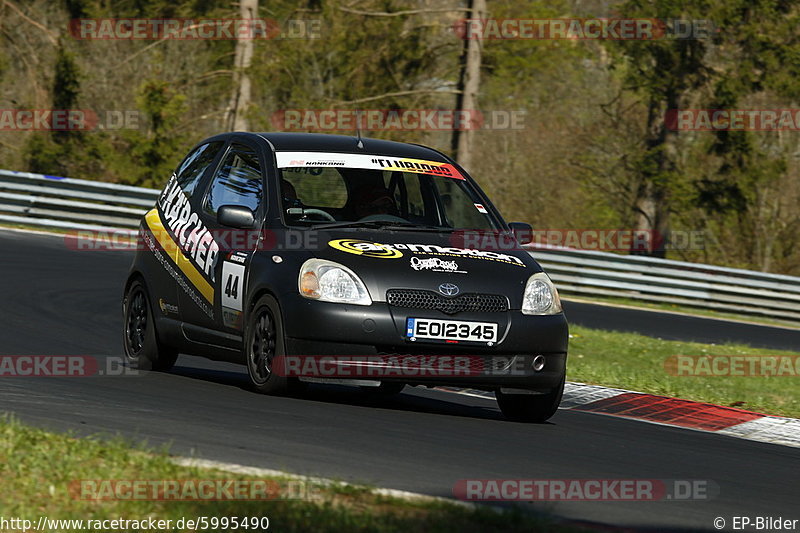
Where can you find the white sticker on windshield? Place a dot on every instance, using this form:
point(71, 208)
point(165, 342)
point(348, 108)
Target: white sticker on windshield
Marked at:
point(366, 161)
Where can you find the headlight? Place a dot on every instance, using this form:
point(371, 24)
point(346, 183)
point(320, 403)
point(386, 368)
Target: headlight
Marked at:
point(541, 296)
point(327, 281)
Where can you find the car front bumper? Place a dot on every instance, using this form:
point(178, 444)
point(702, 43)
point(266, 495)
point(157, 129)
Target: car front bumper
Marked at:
point(371, 339)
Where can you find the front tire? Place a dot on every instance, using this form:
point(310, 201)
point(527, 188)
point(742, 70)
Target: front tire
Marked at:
point(143, 350)
point(530, 407)
point(264, 342)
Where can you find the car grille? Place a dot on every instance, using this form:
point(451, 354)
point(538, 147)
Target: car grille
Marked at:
point(419, 299)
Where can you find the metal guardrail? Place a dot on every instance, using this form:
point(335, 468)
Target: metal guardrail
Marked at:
point(56, 202)
point(591, 273)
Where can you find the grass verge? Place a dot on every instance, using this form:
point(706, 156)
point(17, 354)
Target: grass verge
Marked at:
point(636, 362)
point(39, 470)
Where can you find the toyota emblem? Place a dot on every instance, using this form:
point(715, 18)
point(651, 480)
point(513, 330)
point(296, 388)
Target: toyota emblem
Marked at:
point(448, 289)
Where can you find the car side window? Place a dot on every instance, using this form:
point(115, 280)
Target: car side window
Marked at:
point(237, 182)
point(195, 164)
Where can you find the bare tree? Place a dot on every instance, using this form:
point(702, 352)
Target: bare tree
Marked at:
point(468, 86)
point(236, 116)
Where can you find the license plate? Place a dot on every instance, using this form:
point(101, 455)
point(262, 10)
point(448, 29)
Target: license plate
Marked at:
point(455, 330)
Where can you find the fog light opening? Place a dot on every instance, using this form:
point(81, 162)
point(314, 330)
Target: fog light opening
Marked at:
point(538, 363)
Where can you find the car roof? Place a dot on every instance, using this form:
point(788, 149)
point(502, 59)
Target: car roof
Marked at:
point(323, 142)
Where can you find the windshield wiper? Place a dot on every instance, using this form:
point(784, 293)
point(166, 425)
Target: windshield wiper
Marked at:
point(415, 227)
point(381, 224)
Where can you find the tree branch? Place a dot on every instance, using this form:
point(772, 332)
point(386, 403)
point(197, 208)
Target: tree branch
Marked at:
point(398, 93)
point(33, 22)
point(400, 13)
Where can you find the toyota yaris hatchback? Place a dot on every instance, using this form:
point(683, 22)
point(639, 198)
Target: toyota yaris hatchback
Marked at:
point(336, 259)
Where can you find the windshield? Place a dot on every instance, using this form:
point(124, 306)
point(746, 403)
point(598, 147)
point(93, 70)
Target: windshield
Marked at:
point(357, 196)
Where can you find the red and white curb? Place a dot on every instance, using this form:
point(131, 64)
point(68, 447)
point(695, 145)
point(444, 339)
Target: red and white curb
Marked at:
point(673, 412)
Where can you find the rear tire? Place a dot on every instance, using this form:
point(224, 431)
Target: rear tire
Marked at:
point(530, 407)
point(264, 341)
point(143, 350)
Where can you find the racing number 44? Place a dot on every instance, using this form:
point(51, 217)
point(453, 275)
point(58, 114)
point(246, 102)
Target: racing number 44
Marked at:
point(232, 287)
point(233, 281)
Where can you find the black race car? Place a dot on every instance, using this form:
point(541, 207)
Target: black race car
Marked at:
point(329, 258)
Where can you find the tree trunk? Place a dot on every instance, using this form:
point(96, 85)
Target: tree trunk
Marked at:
point(236, 116)
point(651, 219)
point(650, 205)
point(468, 86)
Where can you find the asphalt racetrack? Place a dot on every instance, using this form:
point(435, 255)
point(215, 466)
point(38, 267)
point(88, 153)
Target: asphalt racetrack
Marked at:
point(57, 301)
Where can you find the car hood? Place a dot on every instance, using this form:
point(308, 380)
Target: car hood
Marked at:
point(425, 260)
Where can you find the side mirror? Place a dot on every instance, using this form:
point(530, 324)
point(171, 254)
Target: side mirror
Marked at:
point(522, 231)
point(236, 216)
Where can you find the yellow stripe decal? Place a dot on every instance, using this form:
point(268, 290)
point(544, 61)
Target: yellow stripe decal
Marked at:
point(178, 257)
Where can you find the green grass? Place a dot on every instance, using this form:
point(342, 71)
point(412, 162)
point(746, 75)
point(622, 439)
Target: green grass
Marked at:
point(636, 362)
point(37, 468)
